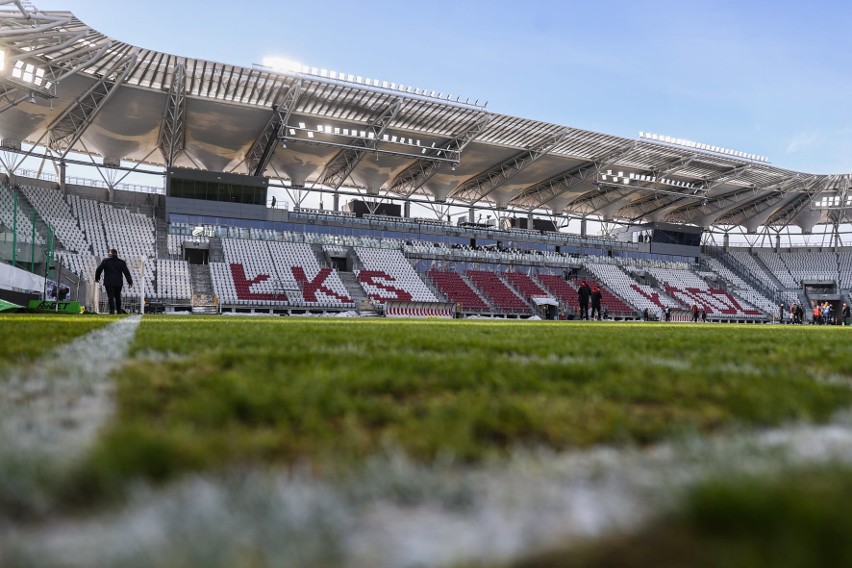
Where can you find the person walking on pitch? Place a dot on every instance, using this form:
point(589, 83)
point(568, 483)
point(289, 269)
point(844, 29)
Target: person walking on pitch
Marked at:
point(113, 268)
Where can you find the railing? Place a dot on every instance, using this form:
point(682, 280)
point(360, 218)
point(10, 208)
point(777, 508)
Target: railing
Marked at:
point(86, 182)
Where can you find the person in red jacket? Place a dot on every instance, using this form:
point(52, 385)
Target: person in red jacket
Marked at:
point(113, 268)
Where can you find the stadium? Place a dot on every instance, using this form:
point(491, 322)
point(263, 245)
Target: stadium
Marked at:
point(425, 389)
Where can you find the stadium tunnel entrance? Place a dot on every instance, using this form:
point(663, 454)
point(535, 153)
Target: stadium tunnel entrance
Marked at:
point(195, 253)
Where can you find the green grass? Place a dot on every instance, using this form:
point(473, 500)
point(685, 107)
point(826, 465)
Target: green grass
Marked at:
point(794, 519)
point(26, 336)
point(214, 392)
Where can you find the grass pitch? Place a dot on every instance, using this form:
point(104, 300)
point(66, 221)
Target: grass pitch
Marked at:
point(215, 395)
point(26, 336)
point(209, 393)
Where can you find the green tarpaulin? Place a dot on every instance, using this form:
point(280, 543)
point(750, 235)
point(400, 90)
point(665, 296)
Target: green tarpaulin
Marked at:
point(50, 306)
point(6, 306)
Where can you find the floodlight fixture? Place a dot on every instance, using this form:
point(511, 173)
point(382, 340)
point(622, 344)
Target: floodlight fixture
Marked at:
point(704, 147)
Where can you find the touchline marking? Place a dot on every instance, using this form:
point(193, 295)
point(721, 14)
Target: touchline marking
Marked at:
point(55, 407)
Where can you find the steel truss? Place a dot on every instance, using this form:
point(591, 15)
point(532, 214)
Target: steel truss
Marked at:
point(560, 184)
point(419, 173)
point(69, 127)
point(172, 138)
point(479, 187)
point(275, 130)
point(344, 163)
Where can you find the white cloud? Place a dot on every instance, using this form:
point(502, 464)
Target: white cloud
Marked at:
point(802, 141)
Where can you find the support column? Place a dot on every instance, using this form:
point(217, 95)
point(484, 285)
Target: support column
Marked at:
point(471, 215)
point(583, 227)
point(336, 204)
point(530, 220)
point(777, 242)
point(407, 210)
point(62, 173)
point(726, 241)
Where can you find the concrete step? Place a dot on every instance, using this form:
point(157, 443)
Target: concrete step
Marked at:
point(205, 310)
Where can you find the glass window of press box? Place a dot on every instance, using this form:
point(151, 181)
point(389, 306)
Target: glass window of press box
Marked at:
point(217, 191)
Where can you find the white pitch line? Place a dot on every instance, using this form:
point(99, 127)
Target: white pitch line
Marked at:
point(394, 514)
point(53, 408)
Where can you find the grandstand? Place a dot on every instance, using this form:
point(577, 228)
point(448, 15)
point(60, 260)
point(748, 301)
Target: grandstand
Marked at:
point(212, 242)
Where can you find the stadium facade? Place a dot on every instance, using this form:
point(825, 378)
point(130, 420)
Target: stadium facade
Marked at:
point(359, 160)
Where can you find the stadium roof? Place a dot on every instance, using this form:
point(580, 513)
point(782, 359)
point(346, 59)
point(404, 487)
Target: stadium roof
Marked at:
point(68, 88)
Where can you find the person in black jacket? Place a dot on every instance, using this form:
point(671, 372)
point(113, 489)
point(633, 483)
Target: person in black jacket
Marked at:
point(583, 293)
point(113, 268)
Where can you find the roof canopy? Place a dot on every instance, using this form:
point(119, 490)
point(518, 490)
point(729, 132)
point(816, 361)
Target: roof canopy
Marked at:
point(67, 87)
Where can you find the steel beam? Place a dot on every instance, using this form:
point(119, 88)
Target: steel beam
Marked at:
point(343, 164)
point(591, 202)
point(719, 178)
point(30, 32)
point(482, 185)
point(416, 175)
point(671, 166)
point(65, 66)
point(172, 138)
point(69, 127)
point(263, 148)
point(565, 181)
point(810, 193)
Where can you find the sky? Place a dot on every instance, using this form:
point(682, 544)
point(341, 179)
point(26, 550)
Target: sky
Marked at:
point(772, 78)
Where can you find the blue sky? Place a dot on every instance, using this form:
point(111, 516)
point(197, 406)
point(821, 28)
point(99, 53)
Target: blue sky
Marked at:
point(770, 78)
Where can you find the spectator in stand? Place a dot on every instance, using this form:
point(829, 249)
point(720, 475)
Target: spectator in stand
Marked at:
point(695, 313)
point(113, 268)
point(597, 298)
point(844, 313)
point(583, 294)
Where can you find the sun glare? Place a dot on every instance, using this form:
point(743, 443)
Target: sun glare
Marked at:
point(281, 64)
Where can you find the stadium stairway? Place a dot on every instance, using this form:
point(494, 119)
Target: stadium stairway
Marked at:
point(775, 280)
point(322, 259)
point(356, 292)
point(731, 264)
point(202, 289)
point(217, 252)
point(162, 242)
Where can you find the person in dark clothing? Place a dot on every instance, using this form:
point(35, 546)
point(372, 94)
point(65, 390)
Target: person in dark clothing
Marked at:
point(583, 294)
point(845, 314)
point(113, 268)
point(695, 312)
point(597, 297)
